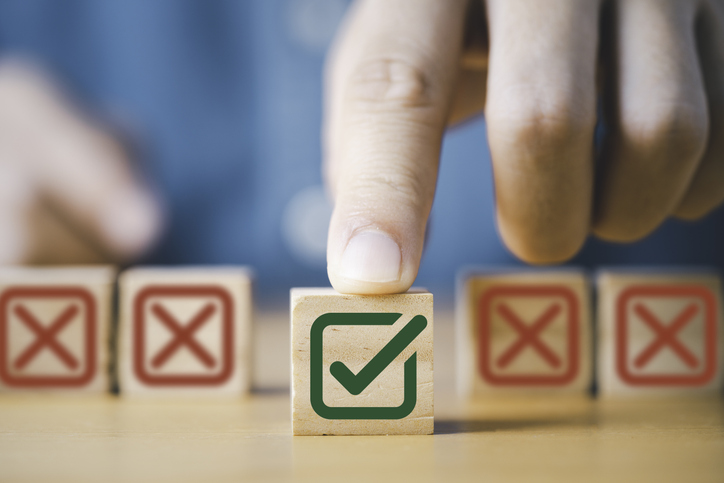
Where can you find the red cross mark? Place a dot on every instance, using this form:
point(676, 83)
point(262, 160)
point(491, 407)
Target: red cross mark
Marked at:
point(666, 336)
point(529, 336)
point(636, 369)
point(501, 300)
point(19, 307)
point(183, 336)
point(46, 337)
point(152, 306)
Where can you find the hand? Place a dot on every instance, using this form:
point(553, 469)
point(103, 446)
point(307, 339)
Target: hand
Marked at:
point(67, 191)
point(402, 70)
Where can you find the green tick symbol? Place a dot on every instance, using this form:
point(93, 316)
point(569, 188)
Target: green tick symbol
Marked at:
point(356, 383)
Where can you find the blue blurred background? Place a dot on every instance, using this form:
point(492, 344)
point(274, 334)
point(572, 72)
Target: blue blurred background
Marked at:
point(222, 101)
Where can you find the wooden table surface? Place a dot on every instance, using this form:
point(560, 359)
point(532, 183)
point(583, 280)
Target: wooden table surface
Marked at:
point(110, 439)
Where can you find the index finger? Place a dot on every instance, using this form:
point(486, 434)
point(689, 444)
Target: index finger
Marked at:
point(391, 80)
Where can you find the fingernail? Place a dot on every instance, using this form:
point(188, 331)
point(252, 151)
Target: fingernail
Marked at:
point(372, 256)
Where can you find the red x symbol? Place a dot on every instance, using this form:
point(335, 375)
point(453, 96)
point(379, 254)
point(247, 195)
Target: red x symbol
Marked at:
point(529, 336)
point(183, 336)
point(155, 300)
point(666, 336)
point(636, 300)
point(563, 304)
point(18, 304)
point(46, 337)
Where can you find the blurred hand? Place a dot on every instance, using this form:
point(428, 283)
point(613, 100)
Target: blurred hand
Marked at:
point(67, 191)
point(402, 70)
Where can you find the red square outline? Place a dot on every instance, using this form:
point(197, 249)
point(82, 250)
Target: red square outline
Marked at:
point(710, 322)
point(91, 323)
point(139, 335)
point(485, 307)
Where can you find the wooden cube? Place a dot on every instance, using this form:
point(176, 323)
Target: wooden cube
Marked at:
point(185, 331)
point(361, 364)
point(54, 328)
point(523, 331)
point(659, 332)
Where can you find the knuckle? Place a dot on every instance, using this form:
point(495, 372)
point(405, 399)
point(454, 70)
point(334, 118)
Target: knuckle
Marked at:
point(672, 132)
point(659, 147)
point(390, 82)
point(542, 126)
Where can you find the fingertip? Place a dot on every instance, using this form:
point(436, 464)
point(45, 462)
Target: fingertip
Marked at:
point(689, 215)
point(624, 229)
point(542, 248)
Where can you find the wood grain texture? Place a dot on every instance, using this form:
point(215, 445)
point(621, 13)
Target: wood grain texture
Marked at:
point(659, 333)
point(523, 332)
point(333, 404)
point(527, 440)
point(117, 440)
point(185, 331)
point(55, 326)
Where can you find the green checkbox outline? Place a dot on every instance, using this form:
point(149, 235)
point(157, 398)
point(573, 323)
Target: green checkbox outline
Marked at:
point(317, 369)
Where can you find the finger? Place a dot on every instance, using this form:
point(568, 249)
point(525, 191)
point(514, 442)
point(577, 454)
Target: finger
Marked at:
point(658, 122)
point(84, 174)
point(706, 190)
point(541, 115)
point(31, 234)
point(390, 79)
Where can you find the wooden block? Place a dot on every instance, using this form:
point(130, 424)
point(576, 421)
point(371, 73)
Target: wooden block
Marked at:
point(185, 331)
point(55, 328)
point(361, 364)
point(660, 333)
point(523, 332)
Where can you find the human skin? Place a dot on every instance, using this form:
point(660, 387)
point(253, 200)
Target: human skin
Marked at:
point(402, 71)
point(68, 189)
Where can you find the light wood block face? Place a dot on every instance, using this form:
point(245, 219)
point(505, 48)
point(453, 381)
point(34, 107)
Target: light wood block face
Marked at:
point(361, 364)
point(185, 331)
point(523, 332)
point(659, 333)
point(55, 328)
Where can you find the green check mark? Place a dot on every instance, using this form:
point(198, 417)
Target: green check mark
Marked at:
point(355, 384)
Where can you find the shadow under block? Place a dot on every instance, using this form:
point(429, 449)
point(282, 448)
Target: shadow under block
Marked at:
point(185, 331)
point(523, 332)
point(659, 333)
point(361, 364)
point(55, 328)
